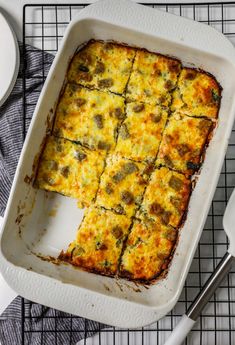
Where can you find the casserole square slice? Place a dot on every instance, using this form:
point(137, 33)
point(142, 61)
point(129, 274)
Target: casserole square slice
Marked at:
point(166, 197)
point(99, 241)
point(183, 142)
point(148, 250)
point(89, 117)
point(102, 65)
point(197, 94)
point(141, 132)
point(122, 185)
point(153, 78)
point(70, 169)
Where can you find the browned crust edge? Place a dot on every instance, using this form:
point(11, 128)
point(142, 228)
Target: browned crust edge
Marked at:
point(65, 257)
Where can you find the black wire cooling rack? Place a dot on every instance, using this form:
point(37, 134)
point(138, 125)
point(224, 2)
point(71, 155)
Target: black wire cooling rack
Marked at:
point(43, 26)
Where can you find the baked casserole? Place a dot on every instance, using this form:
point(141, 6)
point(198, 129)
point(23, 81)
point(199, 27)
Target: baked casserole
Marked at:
point(130, 133)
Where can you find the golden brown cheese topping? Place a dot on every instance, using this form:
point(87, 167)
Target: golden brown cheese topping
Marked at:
point(122, 185)
point(197, 94)
point(89, 117)
point(70, 169)
point(141, 132)
point(183, 142)
point(147, 250)
point(99, 241)
point(101, 65)
point(153, 78)
point(130, 129)
point(166, 197)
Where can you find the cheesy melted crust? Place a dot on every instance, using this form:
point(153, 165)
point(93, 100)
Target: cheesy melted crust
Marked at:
point(117, 99)
point(89, 117)
point(183, 142)
point(197, 94)
point(153, 78)
point(99, 241)
point(122, 185)
point(147, 250)
point(70, 169)
point(101, 65)
point(141, 132)
point(166, 197)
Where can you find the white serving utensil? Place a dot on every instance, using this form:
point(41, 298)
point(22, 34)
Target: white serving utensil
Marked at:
point(189, 319)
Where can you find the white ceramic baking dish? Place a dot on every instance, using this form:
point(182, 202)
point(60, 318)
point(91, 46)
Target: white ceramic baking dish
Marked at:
point(42, 223)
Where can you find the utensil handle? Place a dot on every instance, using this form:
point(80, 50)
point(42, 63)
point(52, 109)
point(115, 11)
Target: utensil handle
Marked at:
point(210, 286)
point(181, 331)
point(186, 323)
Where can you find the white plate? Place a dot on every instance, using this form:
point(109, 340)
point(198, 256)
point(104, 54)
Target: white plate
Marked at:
point(9, 59)
point(28, 224)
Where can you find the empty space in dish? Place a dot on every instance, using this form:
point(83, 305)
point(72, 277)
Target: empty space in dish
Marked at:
point(49, 223)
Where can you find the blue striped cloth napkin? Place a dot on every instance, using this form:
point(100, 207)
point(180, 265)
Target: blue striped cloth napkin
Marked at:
point(24, 322)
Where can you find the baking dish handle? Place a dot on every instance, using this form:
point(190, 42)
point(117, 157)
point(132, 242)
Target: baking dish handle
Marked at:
point(170, 27)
